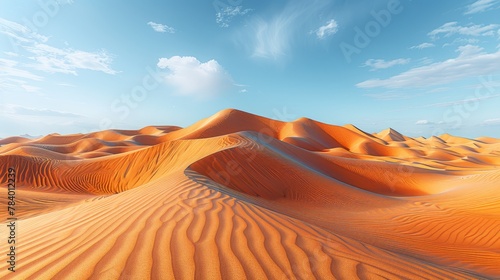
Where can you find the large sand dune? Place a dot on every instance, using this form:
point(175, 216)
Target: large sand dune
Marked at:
point(238, 196)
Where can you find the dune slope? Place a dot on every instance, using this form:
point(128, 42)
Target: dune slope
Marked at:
point(238, 196)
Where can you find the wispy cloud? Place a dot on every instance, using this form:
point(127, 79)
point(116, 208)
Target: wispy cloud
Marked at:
point(376, 64)
point(36, 121)
point(226, 14)
point(10, 69)
point(480, 6)
point(462, 41)
point(14, 78)
point(423, 46)
point(471, 61)
point(452, 28)
point(388, 96)
point(34, 55)
point(424, 122)
point(491, 122)
point(450, 103)
point(190, 77)
point(272, 37)
point(461, 101)
point(65, 85)
point(424, 61)
point(54, 60)
point(162, 28)
point(29, 88)
point(11, 54)
point(331, 27)
point(19, 33)
point(27, 111)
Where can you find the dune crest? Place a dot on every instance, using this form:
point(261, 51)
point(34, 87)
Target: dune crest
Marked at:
point(238, 196)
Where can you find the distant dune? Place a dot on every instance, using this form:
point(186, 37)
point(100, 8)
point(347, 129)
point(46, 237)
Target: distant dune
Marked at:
point(239, 196)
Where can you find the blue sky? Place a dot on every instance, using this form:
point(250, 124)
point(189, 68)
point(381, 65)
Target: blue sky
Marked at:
point(420, 67)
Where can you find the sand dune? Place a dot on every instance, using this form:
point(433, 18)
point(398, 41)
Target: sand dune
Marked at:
point(238, 196)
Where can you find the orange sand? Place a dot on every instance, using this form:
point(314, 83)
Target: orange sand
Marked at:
point(238, 196)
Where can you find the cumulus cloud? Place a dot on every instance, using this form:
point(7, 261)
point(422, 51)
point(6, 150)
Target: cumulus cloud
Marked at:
point(226, 14)
point(162, 28)
point(423, 46)
point(190, 77)
point(331, 27)
point(452, 28)
point(376, 64)
point(471, 61)
point(480, 6)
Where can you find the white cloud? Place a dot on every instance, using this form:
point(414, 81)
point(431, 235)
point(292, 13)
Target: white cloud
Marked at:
point(491, 122)
point(13, 78)
point(188, 76)
point(452, 28)
point(462, 41)
point(468, 51)
point(273, 37)
point(423, 46)
point(424, 61)
point(11, 70)
point(225, 15)
point(162, 28)
point(65, 85)
point(331, 27)
point(33, 53)
point(377, 64)
point(68, 61)
point(480, 6)
point(424, 122)
point(19, 33)
point(11, 54)
point(430, 123)
point(472, 61)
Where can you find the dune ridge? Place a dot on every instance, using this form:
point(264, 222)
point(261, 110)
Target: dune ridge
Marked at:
point(238, 196)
